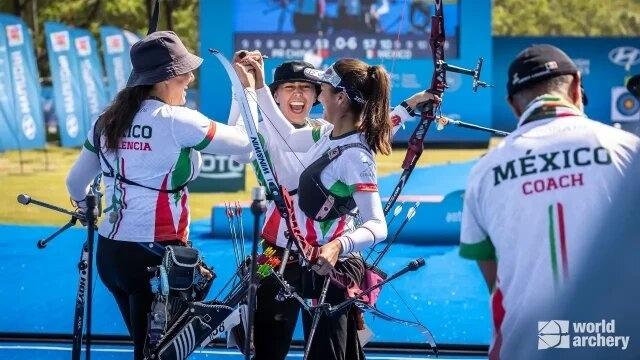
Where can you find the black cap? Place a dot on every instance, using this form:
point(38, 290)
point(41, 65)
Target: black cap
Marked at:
point(158, 57)
point(537, 63)
point(292, 71)
point(633, 85)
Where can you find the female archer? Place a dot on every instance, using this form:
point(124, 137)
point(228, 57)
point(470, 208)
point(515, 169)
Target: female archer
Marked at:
point(147, 145)
point(339, 204)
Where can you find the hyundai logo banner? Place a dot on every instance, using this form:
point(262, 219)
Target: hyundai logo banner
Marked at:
point(605, 64)
point(21, 120)
point(116, 44)
point(67, 89)
point(91, 75)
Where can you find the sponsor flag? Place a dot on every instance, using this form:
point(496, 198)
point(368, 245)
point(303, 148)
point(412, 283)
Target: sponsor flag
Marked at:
point(8, 132)
point(67, 90)
point(90, 70)
point(116, 45)
point(21, 119)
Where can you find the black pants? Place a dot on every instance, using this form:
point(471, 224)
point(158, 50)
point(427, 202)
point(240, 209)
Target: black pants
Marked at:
point(336, 337)
point(122, 266)
point(275, 319)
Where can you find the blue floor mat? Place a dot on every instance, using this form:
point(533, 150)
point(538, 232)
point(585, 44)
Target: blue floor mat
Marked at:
point(440, 179)
point(39, 288)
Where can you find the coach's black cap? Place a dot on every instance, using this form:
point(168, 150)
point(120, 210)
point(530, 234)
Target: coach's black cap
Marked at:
point(159, 57)
point(293, 71)
point(537, 63)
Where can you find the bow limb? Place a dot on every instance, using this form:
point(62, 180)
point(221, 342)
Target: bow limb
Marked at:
point(416, 324)
point(153, 20)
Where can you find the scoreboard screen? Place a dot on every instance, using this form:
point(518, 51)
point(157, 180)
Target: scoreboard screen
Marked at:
point(365, 29)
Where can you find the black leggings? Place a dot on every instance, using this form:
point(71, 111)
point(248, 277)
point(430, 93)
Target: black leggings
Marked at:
point(336, 338)
point(122, 266)
point(276, 319)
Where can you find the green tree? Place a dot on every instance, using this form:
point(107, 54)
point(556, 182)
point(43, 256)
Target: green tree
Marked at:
point(566, 17)
point(180, 16)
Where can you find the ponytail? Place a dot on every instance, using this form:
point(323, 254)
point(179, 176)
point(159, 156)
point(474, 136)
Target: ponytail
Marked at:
point(376, 124)
point(118, 117)
point(372, 82)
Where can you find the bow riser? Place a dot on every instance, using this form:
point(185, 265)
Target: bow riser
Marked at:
point(437, 41)
point(153, 20)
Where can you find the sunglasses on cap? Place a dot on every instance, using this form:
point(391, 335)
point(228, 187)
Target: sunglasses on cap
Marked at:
point(331, 77)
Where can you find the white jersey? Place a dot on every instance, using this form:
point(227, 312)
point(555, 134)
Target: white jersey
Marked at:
point(340, 176)
point(288, 166)
point(162, 152)
point(354, 170)
point(530, 202)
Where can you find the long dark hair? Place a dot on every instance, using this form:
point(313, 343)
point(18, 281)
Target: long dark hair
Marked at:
point(118, 117)
point(373, 83)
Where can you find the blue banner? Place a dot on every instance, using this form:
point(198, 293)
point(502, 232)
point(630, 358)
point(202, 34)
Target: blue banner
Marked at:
point(8, 133)
point(20, 101)
point(116, 44)
point(605, 64)
point(90, 70)
point(67, 91)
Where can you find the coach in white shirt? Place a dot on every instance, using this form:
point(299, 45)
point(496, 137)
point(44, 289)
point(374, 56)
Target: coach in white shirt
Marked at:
point(530, 203)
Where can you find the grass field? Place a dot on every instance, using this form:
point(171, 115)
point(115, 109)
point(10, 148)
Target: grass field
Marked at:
point(41, 174)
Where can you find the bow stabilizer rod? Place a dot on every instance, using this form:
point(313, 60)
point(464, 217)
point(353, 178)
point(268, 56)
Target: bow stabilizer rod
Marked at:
point(474, 73)
point(442, 122)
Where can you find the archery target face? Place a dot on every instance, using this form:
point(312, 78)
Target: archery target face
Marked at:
point(624, 106)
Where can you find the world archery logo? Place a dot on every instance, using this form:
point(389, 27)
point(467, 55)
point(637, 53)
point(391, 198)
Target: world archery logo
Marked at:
point(553, 334)
point(14, 35)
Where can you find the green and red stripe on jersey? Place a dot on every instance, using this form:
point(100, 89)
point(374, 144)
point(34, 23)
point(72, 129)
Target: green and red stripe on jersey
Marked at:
point(272, 227)
point(365, 187)
point(558, 242)
point(164, 228)
point(208, 137)
point(498, 313)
